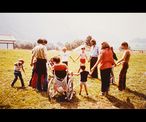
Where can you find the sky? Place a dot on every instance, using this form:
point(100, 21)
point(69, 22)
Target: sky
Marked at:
point(66, 27)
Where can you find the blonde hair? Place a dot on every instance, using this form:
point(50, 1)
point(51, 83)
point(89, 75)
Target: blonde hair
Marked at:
point(105, 45)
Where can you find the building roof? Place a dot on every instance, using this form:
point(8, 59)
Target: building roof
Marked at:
point(7, 38)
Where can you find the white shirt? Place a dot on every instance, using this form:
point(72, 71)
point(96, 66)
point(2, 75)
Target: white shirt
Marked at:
point(94, 51)
point(83, 55)
point(40, 51)
point(64, 56)
point(17, 67)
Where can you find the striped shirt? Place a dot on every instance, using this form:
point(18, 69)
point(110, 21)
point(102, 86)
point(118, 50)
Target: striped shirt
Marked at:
point(40, 51)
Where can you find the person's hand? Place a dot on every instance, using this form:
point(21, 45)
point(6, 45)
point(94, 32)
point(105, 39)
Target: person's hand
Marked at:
point(31, 64)
point(92, 69)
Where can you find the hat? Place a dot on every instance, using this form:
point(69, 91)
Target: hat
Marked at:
point(83, 47)
point(21, 60)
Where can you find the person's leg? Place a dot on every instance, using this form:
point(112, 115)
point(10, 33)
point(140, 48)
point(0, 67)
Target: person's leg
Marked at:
point(85, 86)
point(95, 72)
point(21, 79)
point(80, 89)
point(108, 73)
point(122, 77)
point(15, 79)
point(103, 81)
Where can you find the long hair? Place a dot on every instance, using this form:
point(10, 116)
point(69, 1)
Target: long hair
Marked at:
point(105, 45)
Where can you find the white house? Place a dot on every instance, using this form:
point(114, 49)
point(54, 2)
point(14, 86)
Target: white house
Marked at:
point(7, 41)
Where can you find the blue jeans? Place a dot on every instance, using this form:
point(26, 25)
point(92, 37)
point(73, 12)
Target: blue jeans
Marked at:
point(17, 74)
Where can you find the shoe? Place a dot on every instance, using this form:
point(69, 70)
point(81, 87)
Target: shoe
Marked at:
point(102, 94)
point(12, 85)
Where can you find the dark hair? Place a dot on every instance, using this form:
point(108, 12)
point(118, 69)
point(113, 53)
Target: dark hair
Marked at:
point(83, 67)
point(104, 45)
point(40, 41)
point(124, 44)
point(45, 41)
point(93, 41)
point(56, 59)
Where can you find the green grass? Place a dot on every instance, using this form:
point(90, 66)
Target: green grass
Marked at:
point(133, 97)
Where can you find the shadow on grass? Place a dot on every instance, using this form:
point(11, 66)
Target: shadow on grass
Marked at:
point(90, 99)
point(119, 103)
point(73, 104)
point(20, 88)
point(5, 106)
point(136, 93)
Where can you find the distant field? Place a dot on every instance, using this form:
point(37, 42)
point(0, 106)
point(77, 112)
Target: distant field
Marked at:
point(14, 98)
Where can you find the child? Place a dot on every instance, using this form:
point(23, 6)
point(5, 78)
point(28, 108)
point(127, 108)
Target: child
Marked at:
point(82, 57)
point(64, 55)
point(17, 72)
point(83, 79)
point(112, 73)
point(124, 61)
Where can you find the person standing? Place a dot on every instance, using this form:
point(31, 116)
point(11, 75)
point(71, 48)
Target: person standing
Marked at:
point(93, 58)
point(105, 62)
point(17, 72)
point(64, 55)
point(124, 61)
point(40, 53)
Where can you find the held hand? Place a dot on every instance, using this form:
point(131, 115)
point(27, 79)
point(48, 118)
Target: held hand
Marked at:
point(31, 64)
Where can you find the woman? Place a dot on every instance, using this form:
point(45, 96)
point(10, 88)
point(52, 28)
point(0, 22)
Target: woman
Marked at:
point(105, 62)
point(93, 58)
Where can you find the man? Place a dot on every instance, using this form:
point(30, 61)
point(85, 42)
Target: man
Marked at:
point(40, 53)
point(125, 65)
point(93, 58)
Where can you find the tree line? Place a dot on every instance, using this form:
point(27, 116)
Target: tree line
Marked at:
point(50, 46)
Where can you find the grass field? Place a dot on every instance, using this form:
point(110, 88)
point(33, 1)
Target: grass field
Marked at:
point(28, 98)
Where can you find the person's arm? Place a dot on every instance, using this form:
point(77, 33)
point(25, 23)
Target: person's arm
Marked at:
point(45, 53)
point(23, 69)
point(86, 57)
point(77, 74)
point(31, 63)
point(122, 59)
point(99, 59)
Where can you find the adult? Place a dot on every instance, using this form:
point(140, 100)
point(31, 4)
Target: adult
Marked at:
point(40, 54)
point(125, 65)
point(105, 62)
point(94, 57)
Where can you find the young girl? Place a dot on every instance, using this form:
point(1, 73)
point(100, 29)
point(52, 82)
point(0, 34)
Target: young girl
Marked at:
point(18, 66)
point(124, 61)
point(82, 57)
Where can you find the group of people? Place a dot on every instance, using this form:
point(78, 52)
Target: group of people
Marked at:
point(102, 59)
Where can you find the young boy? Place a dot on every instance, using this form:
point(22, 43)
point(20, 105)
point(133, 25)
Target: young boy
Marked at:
point(17, 72)
point(124, 61)
point(83, 79)
point(83, 57)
